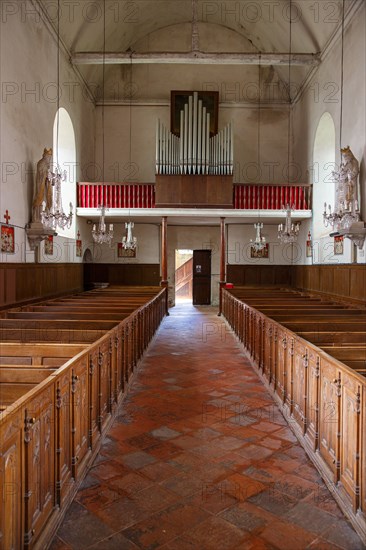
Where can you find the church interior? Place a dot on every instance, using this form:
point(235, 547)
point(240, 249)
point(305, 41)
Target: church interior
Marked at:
point(182, 274)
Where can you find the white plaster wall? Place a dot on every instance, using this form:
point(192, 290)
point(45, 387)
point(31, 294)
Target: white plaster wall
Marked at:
point(238, 246)
point(324, 94)
point(148, 245)
point(29, 75)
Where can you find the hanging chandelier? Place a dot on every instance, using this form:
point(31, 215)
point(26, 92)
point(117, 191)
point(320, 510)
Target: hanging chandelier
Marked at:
point(55, 217)
point(342, 217)
point(102, 235)
point(288, 232)
point(128, 241)
point(260, 241)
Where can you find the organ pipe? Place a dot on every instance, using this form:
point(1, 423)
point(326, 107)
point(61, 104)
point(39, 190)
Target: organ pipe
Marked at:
point(194, 152)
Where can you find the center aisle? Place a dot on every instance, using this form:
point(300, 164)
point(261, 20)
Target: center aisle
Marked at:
point(201, 458)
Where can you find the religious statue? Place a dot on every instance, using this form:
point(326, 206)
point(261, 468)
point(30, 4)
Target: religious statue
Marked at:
point(42, 188)
point(347, 192)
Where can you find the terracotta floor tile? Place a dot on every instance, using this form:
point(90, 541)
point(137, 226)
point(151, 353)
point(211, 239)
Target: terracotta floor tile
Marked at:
point(216, 533)
point(154, 498)
point(84, 530)
point(137, 460)
point(114, 542)
point(158, 471)
point(93, 500)
point(121, 514)
point(151, 533)
point(286, 536)
point(244, 519)
point(183, 484)
point(131, 483)
point(200, 458)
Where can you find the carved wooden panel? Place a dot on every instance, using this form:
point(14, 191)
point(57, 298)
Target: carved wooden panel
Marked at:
point(363, 452)
point(300, 383)
point(93, 415)
point(351, 438)
point(289, 378)
point(11, 482)
point(267, 360)
point(39, 461)
point(104, 383)
point(63, 437)
point(274, 364)
point(312, 432)
point(79, 414)
point(281, 363)
point(329, 415)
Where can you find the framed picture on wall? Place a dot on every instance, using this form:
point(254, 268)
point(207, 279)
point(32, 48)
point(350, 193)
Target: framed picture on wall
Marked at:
point(125, 252)
point(178, 99)
point(338, 244)
point(7, 239)
point(309, 249)
point(48, 245)
point(79, 248)
point(262, 253)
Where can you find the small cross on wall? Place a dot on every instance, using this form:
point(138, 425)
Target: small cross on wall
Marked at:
point(7, 217)
point(78, 234)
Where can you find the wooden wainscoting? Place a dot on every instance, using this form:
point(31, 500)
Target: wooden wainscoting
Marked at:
point(243, 275)
point(20, 282)
point(122, 274)
point(345, 282)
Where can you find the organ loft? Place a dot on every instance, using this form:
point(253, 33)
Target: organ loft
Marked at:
point(182, 275)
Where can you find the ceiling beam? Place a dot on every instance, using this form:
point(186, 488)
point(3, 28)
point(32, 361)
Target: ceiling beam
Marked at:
point(194, 58)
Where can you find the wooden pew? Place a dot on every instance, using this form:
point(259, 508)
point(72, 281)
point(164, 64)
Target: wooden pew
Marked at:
point(313, 361)
point(61, 395)
point(17, 380)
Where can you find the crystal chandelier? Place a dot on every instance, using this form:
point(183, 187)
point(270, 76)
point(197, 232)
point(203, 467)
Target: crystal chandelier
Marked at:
point(288, 233)
point(342, 217)
point(128, 241)
point(102, 235)
point(260, 241)
point(55, 216)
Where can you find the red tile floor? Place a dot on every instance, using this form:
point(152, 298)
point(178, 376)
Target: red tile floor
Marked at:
point(200, 458)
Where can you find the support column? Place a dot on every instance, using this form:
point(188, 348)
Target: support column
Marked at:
point(222, 261)
point(164, 260)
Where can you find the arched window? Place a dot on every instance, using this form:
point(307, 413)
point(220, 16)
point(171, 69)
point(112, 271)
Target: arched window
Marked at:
point(64, 153)
point(324, 164)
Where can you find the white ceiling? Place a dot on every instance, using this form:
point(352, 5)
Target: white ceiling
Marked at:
point(158, 26)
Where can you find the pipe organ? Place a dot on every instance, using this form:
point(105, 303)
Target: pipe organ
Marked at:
point(194, 152)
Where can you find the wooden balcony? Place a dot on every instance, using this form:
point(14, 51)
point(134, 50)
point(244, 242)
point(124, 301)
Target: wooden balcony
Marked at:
point(240, 196)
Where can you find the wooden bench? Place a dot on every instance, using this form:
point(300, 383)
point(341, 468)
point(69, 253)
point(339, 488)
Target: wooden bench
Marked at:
point(59, 395)
point(38, 354)
point(17, 380)
point(311, 354)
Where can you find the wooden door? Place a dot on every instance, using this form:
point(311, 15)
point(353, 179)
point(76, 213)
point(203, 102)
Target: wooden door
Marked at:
point(201, 277)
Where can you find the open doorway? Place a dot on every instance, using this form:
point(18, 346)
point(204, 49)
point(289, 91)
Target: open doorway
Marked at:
point(183, 276)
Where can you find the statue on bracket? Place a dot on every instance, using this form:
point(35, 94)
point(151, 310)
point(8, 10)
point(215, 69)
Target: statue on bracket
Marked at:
point(346, 216)
point(347, 192)
point(42, 192)
point(42, 187)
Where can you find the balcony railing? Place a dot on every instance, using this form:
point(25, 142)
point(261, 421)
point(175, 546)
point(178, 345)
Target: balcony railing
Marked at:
point(272, 197)
point(116, 195)
point(245, 196)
